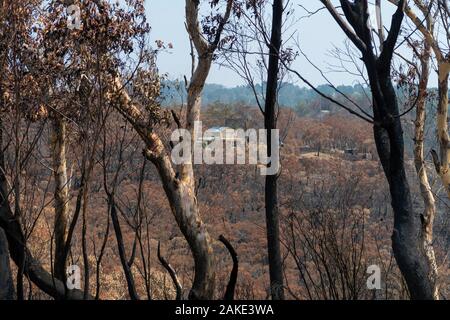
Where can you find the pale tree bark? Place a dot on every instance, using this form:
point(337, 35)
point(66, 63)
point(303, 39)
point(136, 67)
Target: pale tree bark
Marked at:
point(443, 162)
point(380, 24)
point(180, 194)
point(442, 158)
point(61, 193)
point(180, 188)
point(429, 212)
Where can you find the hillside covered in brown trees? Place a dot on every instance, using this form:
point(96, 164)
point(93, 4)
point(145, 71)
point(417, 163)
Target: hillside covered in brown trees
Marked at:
point(94, 205)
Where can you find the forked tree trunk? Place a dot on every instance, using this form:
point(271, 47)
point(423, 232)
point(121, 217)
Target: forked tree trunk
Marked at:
point(180, 192)
point(183, 202)
point(407, 236)
point(185, 208)
point(189, 220)
point(61, 193)
point(180, 188)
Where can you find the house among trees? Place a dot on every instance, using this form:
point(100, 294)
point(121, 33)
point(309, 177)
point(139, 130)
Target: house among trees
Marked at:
point(221, 133)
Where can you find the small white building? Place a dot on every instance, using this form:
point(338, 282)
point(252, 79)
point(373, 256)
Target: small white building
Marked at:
point(219, 133)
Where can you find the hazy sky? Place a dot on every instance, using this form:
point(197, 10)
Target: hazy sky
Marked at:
point(317, 36)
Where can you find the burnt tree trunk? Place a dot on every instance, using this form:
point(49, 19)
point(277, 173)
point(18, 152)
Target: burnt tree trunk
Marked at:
point(231, 286)
point(407, 236)
point(270, 123)
point(121, 248)
point(6, 282)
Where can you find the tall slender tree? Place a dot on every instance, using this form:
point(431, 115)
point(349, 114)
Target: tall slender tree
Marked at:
point(255, 53)
point(270, 123)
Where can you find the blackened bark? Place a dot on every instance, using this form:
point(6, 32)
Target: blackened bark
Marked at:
point(6, 282)
point(270, 121)
point(172, 273)
point(388, 132)
point(231, 287)
point(408, 235)
point(120, 245)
